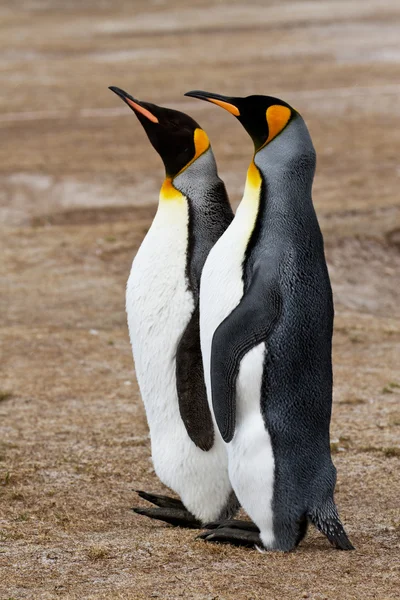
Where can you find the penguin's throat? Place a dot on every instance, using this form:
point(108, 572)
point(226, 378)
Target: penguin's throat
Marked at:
point(248, 210)
point(169, 193)
point(254, 178)
point(252, 190)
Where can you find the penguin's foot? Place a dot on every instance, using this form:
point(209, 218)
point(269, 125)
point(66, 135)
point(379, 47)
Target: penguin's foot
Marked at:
point(174, 516)
point(234, 536)
point(169, 510)
point(159, 500)
point(232, 531)
point(233, 524)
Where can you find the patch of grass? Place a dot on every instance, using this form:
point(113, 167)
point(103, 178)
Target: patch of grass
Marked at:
point(110, 238)
point(7, 478)
point(388, 451)
point(17, 496)
point(391, 451)
point(97, 552)
point(62, 517)
point(341, 444)
point(16, 535)
point(369, 449)
point(345, 440)
point(353, 400)
point(22, 518)
point(390, 387)
point(5, 395)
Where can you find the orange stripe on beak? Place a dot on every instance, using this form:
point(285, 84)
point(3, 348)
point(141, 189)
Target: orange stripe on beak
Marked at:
point(227, 106)
point(146, 113)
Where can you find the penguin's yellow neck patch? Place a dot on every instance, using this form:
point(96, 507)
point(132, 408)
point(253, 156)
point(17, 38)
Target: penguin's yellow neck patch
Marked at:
point(253, 181)
point(252, 189)
point(247, 211)
point(277, 119)
point(169, 193)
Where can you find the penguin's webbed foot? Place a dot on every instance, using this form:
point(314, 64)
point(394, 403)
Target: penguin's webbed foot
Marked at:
point(169, 510)
point(174, 516)
point(234, 535)
point(233, 524)
point(159, 500)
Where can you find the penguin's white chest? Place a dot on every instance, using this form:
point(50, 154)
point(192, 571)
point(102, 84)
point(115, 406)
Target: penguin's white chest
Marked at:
point(159, 307)
point(221, 289)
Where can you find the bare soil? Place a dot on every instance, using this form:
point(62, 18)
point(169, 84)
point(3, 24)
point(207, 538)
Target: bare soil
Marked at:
point(78, 189)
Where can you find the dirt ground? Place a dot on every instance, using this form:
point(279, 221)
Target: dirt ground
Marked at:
point(78, 189)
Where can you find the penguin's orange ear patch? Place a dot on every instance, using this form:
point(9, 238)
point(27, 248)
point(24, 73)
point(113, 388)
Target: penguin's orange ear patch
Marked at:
point(201, 142)
point(140, 109)
point(227, 106)
point(277, 118)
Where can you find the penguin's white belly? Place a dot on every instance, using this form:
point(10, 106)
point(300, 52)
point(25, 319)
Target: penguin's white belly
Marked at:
point(159, 307)
point(251, 459)
point(250, 456)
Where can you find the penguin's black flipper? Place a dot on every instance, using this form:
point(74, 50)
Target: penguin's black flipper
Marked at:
point(233, 524)
point(249, 324)
point(326, 520)
point(191, 388)
point(162, 501)
point(174, 516)
point(236, 537)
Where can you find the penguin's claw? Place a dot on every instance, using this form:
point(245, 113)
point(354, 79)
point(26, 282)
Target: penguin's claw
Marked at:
point(229, 535)
point(174, 516)
point(233, 524)
point(159, 500)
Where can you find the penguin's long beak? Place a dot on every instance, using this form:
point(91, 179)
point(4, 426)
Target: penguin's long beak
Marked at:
point(134, 104)
point(224, 101)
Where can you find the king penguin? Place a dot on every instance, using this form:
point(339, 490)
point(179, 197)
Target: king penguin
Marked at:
point(266, 336)
point(162, 304)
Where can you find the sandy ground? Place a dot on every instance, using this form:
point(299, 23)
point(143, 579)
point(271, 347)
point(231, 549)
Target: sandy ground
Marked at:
point(78, 187)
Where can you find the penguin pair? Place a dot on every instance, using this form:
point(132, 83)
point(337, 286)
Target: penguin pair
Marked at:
point(230, 321)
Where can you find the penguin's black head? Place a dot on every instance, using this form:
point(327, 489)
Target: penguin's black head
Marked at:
point(178, 139)
point(263, 117)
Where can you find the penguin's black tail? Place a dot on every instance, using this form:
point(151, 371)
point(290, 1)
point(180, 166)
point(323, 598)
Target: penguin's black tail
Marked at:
point(326, 518)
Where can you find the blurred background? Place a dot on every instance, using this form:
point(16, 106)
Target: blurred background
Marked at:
point(79, 184)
